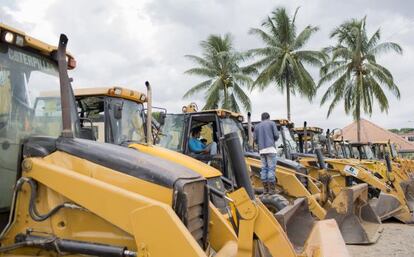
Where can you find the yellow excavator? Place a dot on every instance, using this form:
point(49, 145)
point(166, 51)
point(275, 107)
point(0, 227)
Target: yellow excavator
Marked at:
point(297, 191)
point(385, 193)
point(117, 116)
point(64, 195)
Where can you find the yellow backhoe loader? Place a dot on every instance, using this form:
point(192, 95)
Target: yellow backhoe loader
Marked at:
point(382, 148)
point(385, 194)
point(63, 195)
point(117, 116)
point(390, 172)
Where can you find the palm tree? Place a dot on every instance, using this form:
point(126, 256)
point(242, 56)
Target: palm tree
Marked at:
point(225, 78)
point(357, 78)
point(282, 59)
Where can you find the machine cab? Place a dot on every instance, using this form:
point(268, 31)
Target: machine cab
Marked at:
point(362, 151)
point(28, 72)
point(115, 113)
point(178, 131)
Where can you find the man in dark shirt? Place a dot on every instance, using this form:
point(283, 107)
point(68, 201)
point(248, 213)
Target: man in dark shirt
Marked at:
point(265, 136)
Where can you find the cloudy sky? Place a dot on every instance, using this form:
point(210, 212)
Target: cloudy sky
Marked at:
point(129, 42)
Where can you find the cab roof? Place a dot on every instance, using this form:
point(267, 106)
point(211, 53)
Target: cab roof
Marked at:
point(114, 91)
point(380, 142)
point(359, 143)
point(220, 112)
point(33, 43)
point(308, 129)
point(283, 122)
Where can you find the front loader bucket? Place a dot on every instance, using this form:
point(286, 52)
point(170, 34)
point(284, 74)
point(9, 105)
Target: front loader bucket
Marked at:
point(408, 189)
point(297, 221)
point(387, 206)
point(357, 220)
point(325, 240)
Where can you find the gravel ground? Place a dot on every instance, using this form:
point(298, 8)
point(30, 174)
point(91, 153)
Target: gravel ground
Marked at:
point(397, 240)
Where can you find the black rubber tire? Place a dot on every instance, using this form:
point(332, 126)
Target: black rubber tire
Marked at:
point(275, 202)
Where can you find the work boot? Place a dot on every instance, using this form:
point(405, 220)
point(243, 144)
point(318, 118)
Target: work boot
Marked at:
point(272, 187)
point(265, 187)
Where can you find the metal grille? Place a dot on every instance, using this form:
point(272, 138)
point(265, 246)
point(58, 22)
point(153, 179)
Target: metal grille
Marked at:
point(191, 205)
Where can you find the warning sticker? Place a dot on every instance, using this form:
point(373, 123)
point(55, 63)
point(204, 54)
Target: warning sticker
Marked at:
point(351, 170)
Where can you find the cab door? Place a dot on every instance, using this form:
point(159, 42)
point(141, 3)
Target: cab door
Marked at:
point(210, 131)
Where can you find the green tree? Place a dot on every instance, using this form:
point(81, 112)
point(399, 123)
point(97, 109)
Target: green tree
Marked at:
point(282, 58)
point(357, 78)
point(220, 64)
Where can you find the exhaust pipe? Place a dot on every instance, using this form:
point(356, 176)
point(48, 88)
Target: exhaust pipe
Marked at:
point(249, 130)
point(237, 162)
point(305, 135)
point(328, 143)
point(321, 159)
point(149, 113)
point(388, 162)
point(65, 87)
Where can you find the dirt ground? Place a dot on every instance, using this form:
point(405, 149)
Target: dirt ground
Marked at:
point(397, 240)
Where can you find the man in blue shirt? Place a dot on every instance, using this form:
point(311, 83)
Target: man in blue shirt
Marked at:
point(265, 136)
point(196, 146)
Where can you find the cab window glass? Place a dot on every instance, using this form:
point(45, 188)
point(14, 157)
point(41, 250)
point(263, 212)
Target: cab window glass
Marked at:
point(172, 132)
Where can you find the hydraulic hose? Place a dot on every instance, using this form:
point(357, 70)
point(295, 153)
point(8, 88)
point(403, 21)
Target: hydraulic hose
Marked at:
point(34, 213)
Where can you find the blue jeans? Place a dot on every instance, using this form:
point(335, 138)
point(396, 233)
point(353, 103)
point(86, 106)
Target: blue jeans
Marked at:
point(267, 174)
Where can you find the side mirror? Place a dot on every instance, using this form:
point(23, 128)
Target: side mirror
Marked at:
point(118, 111)
point(162, 118)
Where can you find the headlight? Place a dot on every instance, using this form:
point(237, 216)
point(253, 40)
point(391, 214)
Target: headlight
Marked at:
point(240, 118)
point(117, 91)
point(142, 98)
point(184, 109)
point(8, 37)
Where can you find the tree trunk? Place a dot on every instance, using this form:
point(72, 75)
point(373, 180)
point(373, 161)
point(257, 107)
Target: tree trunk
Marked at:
point(358, 108)
point(288, 97)
point(225, 104)
point(359, 129)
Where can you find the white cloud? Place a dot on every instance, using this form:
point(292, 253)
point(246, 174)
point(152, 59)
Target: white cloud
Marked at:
point(129, 42)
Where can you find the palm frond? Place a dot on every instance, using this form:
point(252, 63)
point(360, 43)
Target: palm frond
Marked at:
point(314, 58)
point(386, 47)
point(333, 74)
point(213, 95)
point(264, 36)
point(203, 72)
point(241, 95)
point(197, 88)
point(304, 36)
